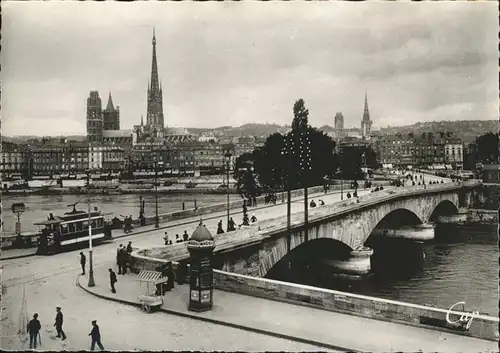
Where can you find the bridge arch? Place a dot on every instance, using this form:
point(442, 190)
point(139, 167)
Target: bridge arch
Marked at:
point(444, 208)
point(354, 228)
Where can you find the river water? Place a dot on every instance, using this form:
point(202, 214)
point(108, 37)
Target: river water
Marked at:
point(461, 264)
point(38, 207)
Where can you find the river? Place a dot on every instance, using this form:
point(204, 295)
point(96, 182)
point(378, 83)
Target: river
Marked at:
point(38, 207)
point(461, 264)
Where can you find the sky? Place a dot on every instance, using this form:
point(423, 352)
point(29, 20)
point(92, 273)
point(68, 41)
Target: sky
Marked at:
point(233, 63)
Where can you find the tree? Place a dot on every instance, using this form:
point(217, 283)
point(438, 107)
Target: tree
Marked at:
point(487, 148)
point(300, 115)
point(246, 185)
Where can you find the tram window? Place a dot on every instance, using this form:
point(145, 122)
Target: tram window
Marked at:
point(64, 228)
point(85, 224)
point(93, 223)
point(78, 226)
point(71, 227)
point(99, 222)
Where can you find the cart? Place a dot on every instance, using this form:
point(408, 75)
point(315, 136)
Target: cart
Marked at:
point(150, 301)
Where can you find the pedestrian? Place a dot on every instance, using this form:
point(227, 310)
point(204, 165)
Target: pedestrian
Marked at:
point(59, 323)
point(219, 228)
point(177, 239)
point(165, 238)
point(253, 219)
point(185, 236)
point(129, 247)
point(117, 255)
point(82, 262)
point(96, 335)
point(112, 280)
point(254, 201)
point(124, 260)
point(34, 330)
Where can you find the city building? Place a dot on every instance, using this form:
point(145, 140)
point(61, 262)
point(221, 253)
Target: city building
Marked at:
point(94, 118)
point(366, 123)
point(106, 158)
point(14, 160)
point(111, 116)
point(435, 151)
point(453, 151)
point(75, 157)
point(339, 122)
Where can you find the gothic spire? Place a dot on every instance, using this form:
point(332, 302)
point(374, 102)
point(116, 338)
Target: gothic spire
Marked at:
point(366, 112)
point(154, 68)
point(110, 106)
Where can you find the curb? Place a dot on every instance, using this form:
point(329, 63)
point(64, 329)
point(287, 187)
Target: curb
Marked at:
point(169, 226)
point(222, 323)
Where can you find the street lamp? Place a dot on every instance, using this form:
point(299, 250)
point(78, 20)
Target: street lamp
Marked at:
point(91, 264)
point(227, 155)
point(157, 220)
point(285, 153)
point(341, 174)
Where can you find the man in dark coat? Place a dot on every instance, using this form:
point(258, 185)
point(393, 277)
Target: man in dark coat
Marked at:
point(112, 280)
point(59, 323)
point(185, 236)
point(129, 247)
point(82, 262)
point(219, 228)
point(96, 335)
point(34, 330)
point(123, 260)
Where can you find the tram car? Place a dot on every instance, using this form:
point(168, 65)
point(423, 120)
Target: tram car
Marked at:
point(71, 231)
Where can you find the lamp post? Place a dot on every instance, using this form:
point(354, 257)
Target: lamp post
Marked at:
point(341, 175)
point(305, 166)
point(227, 155)
point(157, 220)
point(91, 264)
point(285, 152)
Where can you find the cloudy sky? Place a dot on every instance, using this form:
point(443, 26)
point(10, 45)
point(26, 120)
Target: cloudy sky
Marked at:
point(235, 63)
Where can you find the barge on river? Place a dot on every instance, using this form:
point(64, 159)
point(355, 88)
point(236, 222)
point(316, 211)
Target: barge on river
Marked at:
point(71, 231)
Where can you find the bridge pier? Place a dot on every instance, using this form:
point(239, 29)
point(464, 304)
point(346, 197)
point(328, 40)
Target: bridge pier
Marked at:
point(421, 232)
point(357, 265)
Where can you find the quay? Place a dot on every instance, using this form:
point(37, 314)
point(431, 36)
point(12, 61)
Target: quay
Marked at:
point(325, 329)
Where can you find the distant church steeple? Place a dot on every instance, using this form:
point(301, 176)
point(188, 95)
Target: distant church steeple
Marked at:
point(366, 123)
point(154, 116)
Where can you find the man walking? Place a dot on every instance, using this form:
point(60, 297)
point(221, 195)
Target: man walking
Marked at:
point(34, 330)
point(112, 280)
point(59, 323)
point(82, 262)
point(96, 335)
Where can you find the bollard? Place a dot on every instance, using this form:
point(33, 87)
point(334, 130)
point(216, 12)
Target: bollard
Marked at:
point(183, 207)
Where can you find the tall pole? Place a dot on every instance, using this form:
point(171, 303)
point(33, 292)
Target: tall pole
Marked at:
point(91, 264)
point(305, 157)
point(341, 176)
point(286, 184)
point(228, 156)
point(157, 221)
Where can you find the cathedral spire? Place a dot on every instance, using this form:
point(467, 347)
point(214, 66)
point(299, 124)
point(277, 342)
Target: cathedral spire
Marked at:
point(366, 112)
point(154, 68)
point(110, 106)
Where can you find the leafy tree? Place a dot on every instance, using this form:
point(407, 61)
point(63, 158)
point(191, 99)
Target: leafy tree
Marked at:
point(487, 147)
point(245, 215)
point(300, 115)
point(246, 185)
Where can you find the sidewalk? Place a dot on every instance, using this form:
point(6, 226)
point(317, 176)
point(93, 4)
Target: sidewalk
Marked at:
point(294, 322)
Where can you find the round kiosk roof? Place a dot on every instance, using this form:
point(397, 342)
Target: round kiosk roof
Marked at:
point(201, 233)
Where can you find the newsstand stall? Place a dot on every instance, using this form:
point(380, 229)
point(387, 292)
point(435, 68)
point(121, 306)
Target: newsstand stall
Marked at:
point(151, 301)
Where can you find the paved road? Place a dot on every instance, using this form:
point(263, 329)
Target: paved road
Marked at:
point(50, 282)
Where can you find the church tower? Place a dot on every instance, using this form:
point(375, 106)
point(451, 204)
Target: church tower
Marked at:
point(154, 117)
point(94, 118)
point(366, 123)
point(111, 116)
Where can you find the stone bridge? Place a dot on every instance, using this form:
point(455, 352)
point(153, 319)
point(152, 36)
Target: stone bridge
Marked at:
point(254, 250)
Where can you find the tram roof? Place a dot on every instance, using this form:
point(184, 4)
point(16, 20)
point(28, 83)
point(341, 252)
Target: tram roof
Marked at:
point(76, 216)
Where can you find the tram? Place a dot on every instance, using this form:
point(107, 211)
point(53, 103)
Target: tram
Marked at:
point(71, 231)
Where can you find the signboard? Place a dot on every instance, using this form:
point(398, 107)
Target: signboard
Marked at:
point(18, 207)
